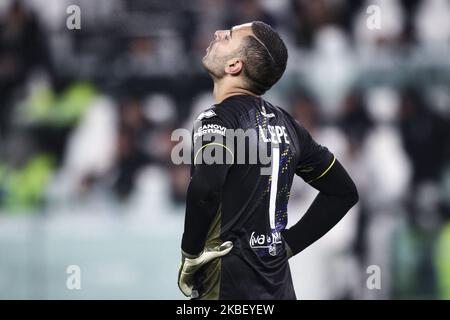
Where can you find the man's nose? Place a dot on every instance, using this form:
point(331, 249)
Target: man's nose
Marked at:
point(218, 34)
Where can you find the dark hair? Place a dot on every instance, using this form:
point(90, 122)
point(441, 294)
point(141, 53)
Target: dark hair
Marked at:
point(265, 56)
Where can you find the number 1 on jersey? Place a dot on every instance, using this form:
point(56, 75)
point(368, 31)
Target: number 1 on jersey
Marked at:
point(274, 185)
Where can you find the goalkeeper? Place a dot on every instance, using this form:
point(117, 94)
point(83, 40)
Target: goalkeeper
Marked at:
point(235, 243)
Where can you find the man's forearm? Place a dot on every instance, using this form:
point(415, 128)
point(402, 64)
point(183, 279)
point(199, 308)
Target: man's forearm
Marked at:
point(200, 209)
point(202, 203)
point(337, 195)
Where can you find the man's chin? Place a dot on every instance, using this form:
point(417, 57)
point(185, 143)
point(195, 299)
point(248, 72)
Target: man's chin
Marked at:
point(205, 66)
point(212, 73)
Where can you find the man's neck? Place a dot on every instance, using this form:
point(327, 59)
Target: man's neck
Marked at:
point(223, 90)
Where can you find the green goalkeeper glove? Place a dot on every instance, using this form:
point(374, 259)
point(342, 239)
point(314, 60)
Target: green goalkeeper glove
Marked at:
point(190, 265)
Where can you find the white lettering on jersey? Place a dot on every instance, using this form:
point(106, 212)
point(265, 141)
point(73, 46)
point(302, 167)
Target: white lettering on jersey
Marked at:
point(209, 128)
point(274, 134)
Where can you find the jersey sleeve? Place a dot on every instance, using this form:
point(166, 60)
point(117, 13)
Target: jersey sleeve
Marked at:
point(315, 160)
point(211, 160)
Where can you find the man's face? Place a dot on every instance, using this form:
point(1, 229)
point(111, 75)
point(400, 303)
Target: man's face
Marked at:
point(225, 46)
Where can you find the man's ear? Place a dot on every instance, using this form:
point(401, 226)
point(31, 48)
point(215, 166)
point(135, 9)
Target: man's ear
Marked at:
point(234, 66)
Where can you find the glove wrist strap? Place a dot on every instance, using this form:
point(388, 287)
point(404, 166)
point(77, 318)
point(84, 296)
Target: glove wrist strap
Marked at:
point(190, 256)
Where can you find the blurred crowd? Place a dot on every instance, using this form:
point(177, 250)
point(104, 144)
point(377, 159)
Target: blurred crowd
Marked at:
point(90, 111)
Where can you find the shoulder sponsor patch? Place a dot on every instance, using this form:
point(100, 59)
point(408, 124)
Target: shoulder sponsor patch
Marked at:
point(206, 114)
point(209, 129)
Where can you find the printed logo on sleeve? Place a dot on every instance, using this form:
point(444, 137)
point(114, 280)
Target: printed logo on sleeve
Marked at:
point(206, 114)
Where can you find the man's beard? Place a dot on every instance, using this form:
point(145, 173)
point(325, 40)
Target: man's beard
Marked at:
point(213, 68)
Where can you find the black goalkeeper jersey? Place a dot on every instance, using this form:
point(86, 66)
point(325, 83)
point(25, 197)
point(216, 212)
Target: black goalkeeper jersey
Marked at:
point(263, 148)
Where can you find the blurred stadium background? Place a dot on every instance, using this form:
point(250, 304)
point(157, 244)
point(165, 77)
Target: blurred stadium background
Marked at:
point(86, 116)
